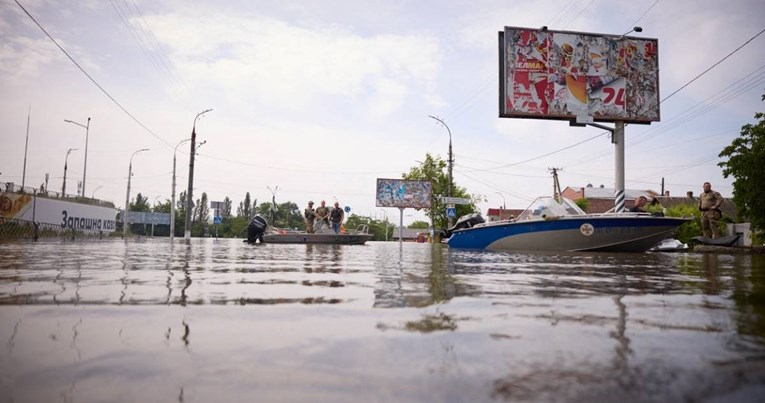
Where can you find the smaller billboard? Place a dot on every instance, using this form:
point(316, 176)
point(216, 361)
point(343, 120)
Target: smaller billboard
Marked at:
point(403, 193)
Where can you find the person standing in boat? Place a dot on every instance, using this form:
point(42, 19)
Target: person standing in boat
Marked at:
point(322, 216)
point(336, 216)
point(709, 204)
point(310, 216)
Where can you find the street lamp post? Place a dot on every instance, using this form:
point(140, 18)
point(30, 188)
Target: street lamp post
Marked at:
point(172, 197)
point(127, 197)
point(85, 168)
point(504, 206)
point(66, 161)
point(190, 191)
point(451, 159)
point(93, 196)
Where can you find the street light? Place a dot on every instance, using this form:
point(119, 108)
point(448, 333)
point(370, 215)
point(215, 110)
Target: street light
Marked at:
point(451, 159)
point(172, 197)
point(189, 192)
point(66, 161)
point(85, 168)
point(273, 203)
point(127, 197)
point(634, 29)
point(93, 196)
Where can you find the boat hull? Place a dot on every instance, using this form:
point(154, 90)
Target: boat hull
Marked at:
point(330, 239)
point(590, 233)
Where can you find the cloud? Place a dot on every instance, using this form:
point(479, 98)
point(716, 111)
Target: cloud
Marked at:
point(267, 60)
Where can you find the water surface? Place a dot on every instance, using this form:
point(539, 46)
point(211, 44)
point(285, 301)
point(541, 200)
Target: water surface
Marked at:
point(220, 320)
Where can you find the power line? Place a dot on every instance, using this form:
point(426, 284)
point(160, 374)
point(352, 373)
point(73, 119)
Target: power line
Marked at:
point(89, 77)
point(711, 67)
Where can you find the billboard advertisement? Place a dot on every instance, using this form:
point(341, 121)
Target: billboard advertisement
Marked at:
point(23, 206)
point(403, 193)
point(568, 75)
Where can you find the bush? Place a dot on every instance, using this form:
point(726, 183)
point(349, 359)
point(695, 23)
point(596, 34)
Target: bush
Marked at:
point(692, 228)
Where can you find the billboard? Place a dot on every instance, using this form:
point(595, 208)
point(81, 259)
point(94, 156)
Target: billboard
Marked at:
point(403, 193)
point(578, 76)
point(23, 206)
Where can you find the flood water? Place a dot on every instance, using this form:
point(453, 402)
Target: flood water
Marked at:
point(222, 321)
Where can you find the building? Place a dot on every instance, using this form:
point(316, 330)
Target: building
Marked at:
point(601, 199)
point(498, 214)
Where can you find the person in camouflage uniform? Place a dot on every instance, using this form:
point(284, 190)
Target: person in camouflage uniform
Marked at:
point(709, 205)
point(310, 216)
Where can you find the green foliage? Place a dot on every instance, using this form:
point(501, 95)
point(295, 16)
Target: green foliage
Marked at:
point(377, 228)
point(226, 211)
point(434, 169)
point(245, 207)
point(286, 215)
point(141, 203)
point(745, 156)
point(419, 225)
point(583, 204)
point(692, 228)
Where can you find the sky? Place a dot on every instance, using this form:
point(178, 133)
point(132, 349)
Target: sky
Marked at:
point(314, 100)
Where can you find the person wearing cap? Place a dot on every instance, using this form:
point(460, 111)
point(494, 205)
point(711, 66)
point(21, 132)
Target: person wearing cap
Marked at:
point(709, 205)
point(336, 216)
point(322, 216)
point(310, 216)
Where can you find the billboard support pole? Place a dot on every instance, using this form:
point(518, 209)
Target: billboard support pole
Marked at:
point(618, 140)
point(401, 226)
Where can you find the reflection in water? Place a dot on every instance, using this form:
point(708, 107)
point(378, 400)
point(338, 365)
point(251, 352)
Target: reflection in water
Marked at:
point(411, 322)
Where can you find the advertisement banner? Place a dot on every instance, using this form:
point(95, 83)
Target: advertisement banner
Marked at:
point(564, 75)
point(83, 217)
point(403, 193)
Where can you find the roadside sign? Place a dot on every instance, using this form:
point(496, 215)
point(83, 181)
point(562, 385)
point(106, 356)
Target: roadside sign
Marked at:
point(217, 220)
point(455, 200)
point(451, 212)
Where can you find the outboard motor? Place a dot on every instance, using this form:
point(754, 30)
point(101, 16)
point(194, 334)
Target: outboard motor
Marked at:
point(466, 221)
point(256, 229)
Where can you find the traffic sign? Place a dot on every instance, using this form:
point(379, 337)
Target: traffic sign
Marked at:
point(455, 200)
point(217, 220)
point(451, 212)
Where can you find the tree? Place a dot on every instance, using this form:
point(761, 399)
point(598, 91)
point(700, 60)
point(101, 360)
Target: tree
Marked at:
point(376, 227)
point(140, 204)
point(433, 170)
point(419, 225)
point(286, 215)
point(745, 161)
point(226, 211)
point(245, 209)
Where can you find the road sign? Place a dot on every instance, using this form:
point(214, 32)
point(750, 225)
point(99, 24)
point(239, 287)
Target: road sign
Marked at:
point(217, 220)
point(455, 200)
point(451, 212)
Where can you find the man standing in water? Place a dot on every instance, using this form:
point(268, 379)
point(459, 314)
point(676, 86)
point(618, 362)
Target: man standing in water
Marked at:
point(310, 215)
point(709, 204)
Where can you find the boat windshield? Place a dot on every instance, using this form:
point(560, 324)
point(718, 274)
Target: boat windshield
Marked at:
point(547, 208)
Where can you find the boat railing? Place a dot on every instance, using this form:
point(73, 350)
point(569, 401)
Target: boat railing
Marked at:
point(361, 229)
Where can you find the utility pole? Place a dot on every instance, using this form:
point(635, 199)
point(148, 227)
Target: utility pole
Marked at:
point(450, 161)
point(556, 184)
point(190, 191)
